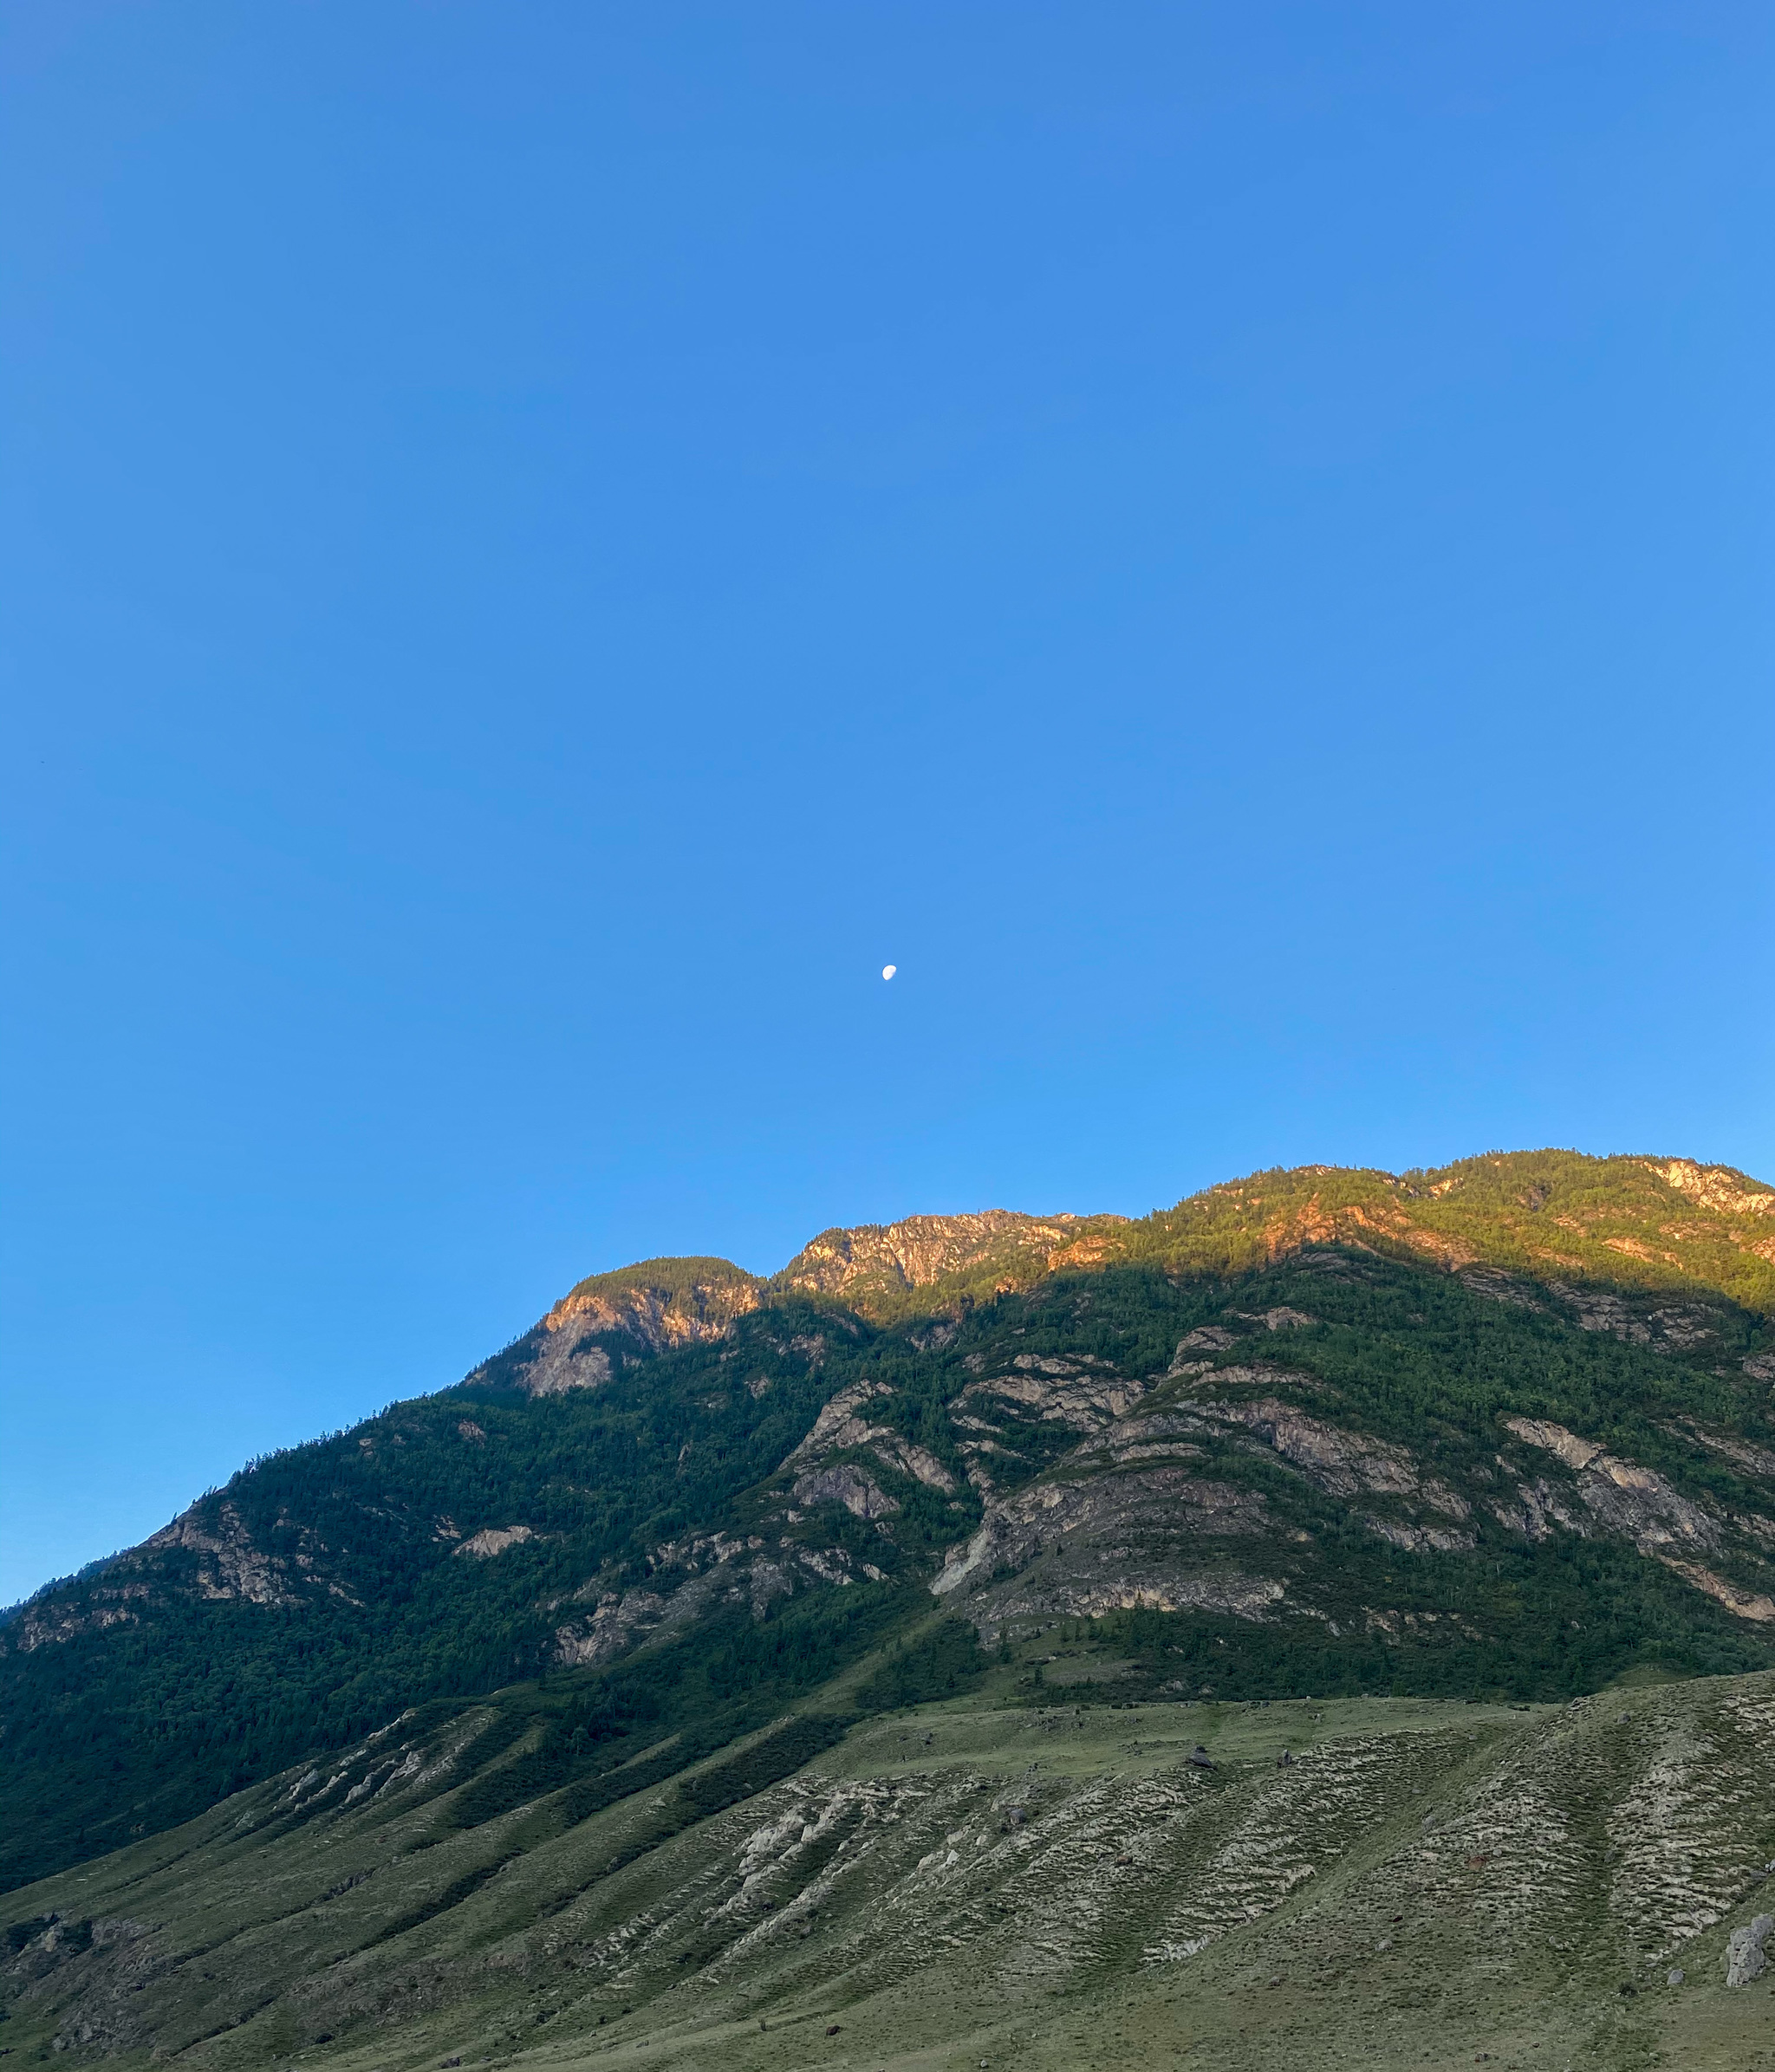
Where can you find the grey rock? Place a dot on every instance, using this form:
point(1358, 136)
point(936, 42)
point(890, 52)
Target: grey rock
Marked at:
point(1676, 1977)
point(1745, 1956)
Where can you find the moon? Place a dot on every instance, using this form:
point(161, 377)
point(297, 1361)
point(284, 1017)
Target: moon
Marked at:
point(888, 970)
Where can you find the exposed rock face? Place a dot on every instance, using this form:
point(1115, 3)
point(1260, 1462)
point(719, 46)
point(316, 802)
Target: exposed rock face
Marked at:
point(1127, 1518)
point(840, 1423)
point(1497, 1286)
point(51, 1623)
point(1743, 1604)
point(842, 1427)
point(870, 1265)
point(1075, 1390)
point(1741, 1453)
point(1539, 1509)
point(846, 1483)
point(692, 1577)
point(652, 1308)
point(1746, 1952)
point(1635, 1320)
point(1716, 1187)
point(207, 1553)
point(1110, 1543)
point(621, 1619)
point(229, 1562)
point(1622, 1496)
point(494, 1540)
point(1419, 1539)
point(1341, 1462)
point(1637, 1504)
point(568, 1358)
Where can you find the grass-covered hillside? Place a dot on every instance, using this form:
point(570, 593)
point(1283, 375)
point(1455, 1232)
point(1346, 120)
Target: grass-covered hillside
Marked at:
point(1503, 1432)
point(1340, 1882)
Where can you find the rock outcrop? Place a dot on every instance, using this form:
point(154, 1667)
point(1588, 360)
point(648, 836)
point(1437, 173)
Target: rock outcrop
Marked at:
point(653, 1308)
point(1746, 1951)
point(873, 1267)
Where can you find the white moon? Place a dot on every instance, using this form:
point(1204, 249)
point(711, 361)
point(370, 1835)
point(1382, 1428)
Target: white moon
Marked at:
point(888, 970)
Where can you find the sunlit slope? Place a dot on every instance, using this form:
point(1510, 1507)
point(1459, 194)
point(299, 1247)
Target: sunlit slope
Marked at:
point(1554, 1215)
point(1650, 1223)
point(1418, 1883)
point(1641, 1222)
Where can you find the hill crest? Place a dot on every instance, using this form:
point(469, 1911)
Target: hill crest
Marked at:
point(1644, 1221)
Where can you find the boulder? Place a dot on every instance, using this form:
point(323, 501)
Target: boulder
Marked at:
point(1745, 1956)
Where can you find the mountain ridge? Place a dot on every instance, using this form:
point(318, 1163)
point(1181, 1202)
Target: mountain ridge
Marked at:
point(1614, 1218)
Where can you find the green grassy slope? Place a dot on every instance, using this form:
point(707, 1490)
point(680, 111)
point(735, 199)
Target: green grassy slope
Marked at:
point(980, 1878)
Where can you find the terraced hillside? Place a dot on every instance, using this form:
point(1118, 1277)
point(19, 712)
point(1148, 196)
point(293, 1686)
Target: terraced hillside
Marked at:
point(1369, 1882)
point(1503, 1432)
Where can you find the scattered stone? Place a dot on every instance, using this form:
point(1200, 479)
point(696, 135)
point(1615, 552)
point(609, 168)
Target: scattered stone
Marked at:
point(1746, 1958)
point(1675, 1975)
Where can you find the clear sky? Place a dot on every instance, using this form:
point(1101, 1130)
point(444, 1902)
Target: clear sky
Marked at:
point(545, 543)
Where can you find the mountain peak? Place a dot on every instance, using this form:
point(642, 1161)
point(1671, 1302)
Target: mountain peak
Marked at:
point(874, 1267)
point(654, 1306)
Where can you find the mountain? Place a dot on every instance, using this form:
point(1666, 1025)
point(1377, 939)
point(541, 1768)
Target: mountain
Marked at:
point(1500, 1433)
point(653, 1306)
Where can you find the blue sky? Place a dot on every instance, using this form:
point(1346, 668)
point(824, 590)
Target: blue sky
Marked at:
point(546, 542)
